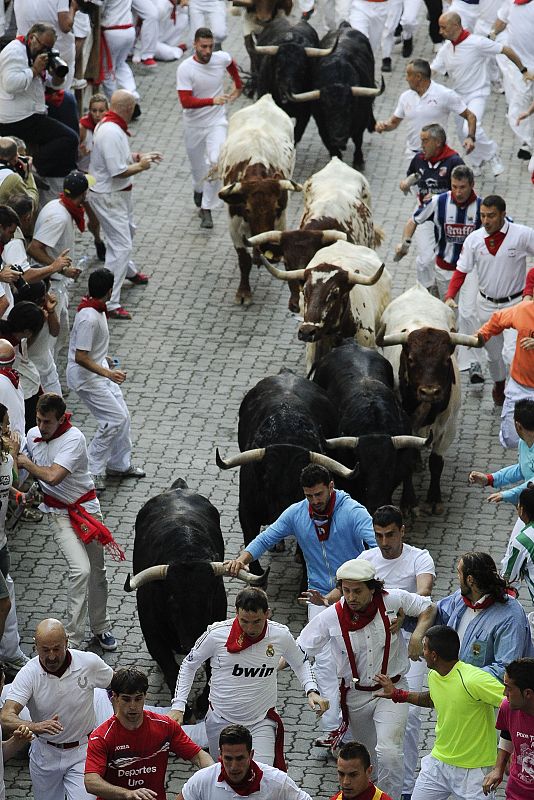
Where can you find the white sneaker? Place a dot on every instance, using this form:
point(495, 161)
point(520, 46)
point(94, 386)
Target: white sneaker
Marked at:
point(496, 166)
point(78, 83)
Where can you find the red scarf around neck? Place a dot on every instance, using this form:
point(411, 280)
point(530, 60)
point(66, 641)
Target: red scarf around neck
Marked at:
point(12, 374)
point(353, 621)
point(60, 430)
point(447, 152)
point(348, 621)
point(521, 2)
point(63, 668)
point(111, 116)
point(494, 242)
point(478, 605)
point(77, 212)
point(322, 521)
point(87, 122)
point(238, 639)
point(92, 302)
point(462, 37)
point(251, 783)
point(471, 199)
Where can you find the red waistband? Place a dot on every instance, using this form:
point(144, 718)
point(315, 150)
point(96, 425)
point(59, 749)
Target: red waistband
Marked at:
point(440, 262)
point(121, 27)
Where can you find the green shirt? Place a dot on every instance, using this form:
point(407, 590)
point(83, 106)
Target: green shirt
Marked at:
point(465, 728)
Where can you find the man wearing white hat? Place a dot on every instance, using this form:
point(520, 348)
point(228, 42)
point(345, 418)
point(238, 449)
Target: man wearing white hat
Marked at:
point(358, 628)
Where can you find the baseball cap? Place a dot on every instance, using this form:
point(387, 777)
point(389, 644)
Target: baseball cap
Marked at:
point(75, 184)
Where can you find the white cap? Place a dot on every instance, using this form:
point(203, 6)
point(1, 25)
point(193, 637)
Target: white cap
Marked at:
point(357, 569)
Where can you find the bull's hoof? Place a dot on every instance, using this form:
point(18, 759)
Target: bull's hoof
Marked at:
point(436, 509)
point(243, 297)
point(410, 515)
point(279, 547)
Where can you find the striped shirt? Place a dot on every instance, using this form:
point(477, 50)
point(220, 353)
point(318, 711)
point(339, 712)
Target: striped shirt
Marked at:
point(518, 563)
point(452, 225)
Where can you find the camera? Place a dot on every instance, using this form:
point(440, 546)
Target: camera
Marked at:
point(20, 283)
point(56, 64)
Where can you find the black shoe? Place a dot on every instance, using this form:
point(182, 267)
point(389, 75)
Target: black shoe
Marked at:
point(407, 47)
point(524, 154)
point(386, 65)
point(136, 111)
point(197, 199)
point(398, 30)
point(100, 248)
point(205, 218)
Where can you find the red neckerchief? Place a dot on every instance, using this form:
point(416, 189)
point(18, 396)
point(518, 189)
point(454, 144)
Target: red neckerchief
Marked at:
point(494, 242)
point(462, 37)
point(471, 199)
point(445, 153)
point(111, 116)
point(54, 97)
point(251, 783)
point(92, 302)
point(60, 430)
point(348, 623)
point(23, 41)
point(368, 794)
point(238, 639)
point(77, 212)
point(87, 122)
point(478, 605)
point(63, 668)
point(521, 2)
point(322, 521)
point(12, 374)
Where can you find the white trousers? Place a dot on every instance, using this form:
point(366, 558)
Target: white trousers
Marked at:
point(120, 76)
point(392, 20)
point(380, 725)
point(263, 736)
point(56, 773)
point(513, 392)
point(500, 349)
point(485, 148)
point(148, 38)
point(203, 146)
point(467, 312)
point(87, 591)
point(327, 679)
point(115, 215)
point(408, 20)
point(333, 12)
point(10, 642)
point(171, 32)
point(519, 96)
point(415, 678)
point(468, 13)
point(60, 343)
point(437, 781)
point(370, 19)
point(425, 242)
point(211, 14)
point(111, 445)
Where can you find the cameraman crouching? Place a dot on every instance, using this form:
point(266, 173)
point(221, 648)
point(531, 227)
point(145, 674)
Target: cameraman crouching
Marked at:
point(23, 77)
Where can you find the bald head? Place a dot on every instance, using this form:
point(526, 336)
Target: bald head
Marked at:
point(51, 644)
point(7, 353)
point(450, 25)
point(123, 104)
point(8, 148)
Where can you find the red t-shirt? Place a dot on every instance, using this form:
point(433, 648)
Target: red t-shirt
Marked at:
point(137, 759)
point(371, 793)
point(520, 726)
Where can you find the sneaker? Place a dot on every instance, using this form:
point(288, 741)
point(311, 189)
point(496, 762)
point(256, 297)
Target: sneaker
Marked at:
point(99, 482)
point(106, 641)
point(119, 313)
point(524, 153)
point(197, 199)
point(497, 393)
point(139, 279)
point(496, 166)
point(15, 664)
point(149, 62)
point(78, 83)
point(100, 248)
point(475, 373)
point(386, 65)
point(32, 515)
point(205, 218)
point(131, 472)
point(327, 740)
point(407, 47)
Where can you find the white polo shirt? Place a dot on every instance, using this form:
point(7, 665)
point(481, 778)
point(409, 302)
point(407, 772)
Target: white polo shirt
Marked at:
point(110, 157)
point(70, 696)
point(54, 227)
point(274, 785)
point(467, 64)
point(520, 30)
point(204, 80)
point(503, 274)
point(69, 451)
point(90, 333)
point(434, 106)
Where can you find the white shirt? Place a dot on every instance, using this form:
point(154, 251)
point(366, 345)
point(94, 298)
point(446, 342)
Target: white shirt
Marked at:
point(467, 64)
point(13, 400)
point(274, 785)
point(434, 106)
point(70, 697)
point(204, 80)
point(6, 480)
point(110, 157)
point(116, 12)
point(520, 30)
point(243, 685)
point(54, 228)
point(30, 380)
point(28, 12)
point(503, 274)
point(69, 451)
point(90, 333)
point(401, 572)
point(368, 642)
point(21, 92)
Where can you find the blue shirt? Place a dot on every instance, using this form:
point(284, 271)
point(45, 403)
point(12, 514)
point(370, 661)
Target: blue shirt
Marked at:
point(522, 471)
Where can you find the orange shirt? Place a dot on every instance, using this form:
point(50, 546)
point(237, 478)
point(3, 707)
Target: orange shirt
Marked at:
point(520, 317)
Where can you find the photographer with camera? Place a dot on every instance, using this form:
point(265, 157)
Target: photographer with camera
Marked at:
point(27, 66)
point(15, 172)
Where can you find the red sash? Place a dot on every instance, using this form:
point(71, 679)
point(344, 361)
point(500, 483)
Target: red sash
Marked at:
point(348, 644)
point(279, 759)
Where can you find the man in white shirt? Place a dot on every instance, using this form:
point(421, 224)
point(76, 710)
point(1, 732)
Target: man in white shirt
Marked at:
point(244, 654)
point(11, 394)
point(58, 687)
point(147, 12)
point(92, 375)
point(199, 83)
point(118, 36)
point(359, 629)
point(56, 455)
point(59, 14)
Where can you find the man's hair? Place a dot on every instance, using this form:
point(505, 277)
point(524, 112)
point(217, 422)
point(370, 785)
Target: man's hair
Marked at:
point(33, 292)
point(357, 750)
point(235, 734)
point(483, 570)
point(129, 680)
point(25, 316)
point(98, 98)
point(40, 28)
point(421, 66)
point(375, 584)
point(388, 515)
point(8, 217)
point(21, 204)
point(494, 200)
point(436, 132)
point(463, 173)
point(203, 33)
point(8, 148)
point(252, 599)
point(314, 474)
point(21, 144)
point(526, 500)
point(100, 282)
point(521, 671)
point(524, 413)
point(51, 403)
point(443, 641)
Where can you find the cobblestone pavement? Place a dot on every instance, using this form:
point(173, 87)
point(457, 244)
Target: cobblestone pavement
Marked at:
point(191, 355)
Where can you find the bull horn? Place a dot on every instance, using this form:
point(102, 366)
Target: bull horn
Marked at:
point(243, 575)
point(290, 186)
point(267, 237)
point(417, 442)
point(318, 52)
point(343, 441)
point(333, 466)
point(333, 236)
point(305, 97)
point(158, 573)
point(266, 49)
point(282, 274)
point(391, 340)
point(231, 188)
point(364, 91)
point(466, 340)
point(246, 457)
point(357, 279)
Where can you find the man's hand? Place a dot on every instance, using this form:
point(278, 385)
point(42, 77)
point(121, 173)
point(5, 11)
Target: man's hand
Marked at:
point(401, 249)
point(415, 647)
point(177, 716)
point(13, 442)
point(49, 726)
point(24, 462)
point(381, 127)
point(388, 687)
point(469, 144)
point(22, 734)
point(450, 302)
point(140, 794)
point(155, 156)
point(233, 567)
point(317, 703)
point(39, 64)
point(477, 478)
point(312, 596)
point(62, 262)
point(492, 780)
point(9, 275)
point(50, 302)
point(495, 498)
point(117, 376)
point(398, 622)
point(220, 100)
point(526, 343)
